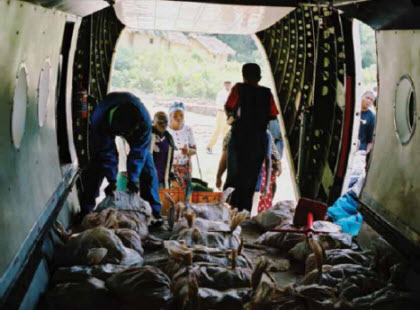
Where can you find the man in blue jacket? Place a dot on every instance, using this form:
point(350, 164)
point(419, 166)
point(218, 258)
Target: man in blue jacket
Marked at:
point(120, 114)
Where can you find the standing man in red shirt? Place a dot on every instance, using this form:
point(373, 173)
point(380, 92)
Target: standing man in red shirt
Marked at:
point(249, 108)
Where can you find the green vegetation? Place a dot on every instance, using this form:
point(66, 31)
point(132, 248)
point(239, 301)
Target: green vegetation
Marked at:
point(368, 47)
point(175, 72)
point(182, 73)
point(246, 50)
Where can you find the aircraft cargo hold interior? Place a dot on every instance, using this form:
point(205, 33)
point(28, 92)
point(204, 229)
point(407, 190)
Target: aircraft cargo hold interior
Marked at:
point(57, 60)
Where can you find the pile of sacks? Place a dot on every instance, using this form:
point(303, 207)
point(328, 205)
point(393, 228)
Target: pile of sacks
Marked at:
point(338, 275)
point(112, 234)
point(100, 266)
point(203, 265)
point(298, 248)
point(205, 260)
point(349, 280)
point(109, 287)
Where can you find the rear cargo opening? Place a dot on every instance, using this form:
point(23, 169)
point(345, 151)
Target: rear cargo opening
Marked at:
point(166, 67)
point(207, 255)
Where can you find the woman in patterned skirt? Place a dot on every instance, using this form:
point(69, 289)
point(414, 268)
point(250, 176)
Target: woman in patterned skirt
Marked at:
point(263, 199)
point(184, 142)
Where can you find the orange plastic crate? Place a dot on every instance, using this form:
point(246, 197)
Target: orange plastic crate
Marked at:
point(206, 197)
point(176, 194)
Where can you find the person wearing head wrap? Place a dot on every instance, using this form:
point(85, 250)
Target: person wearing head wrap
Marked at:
point(184, 142)
point(120, 114)
point(162, 148)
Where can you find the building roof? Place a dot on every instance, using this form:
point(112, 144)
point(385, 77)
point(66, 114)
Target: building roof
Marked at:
point(175, 37)
point(213, 45)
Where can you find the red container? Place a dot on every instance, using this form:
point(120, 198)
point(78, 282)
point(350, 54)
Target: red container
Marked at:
point(176, 195)
point(206, 197)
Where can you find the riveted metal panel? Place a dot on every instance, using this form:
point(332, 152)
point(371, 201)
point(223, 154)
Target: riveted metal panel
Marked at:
point(309, 27)
point(306, 51)
point(96, 44)
point(31, 174)
point(392, 188)
point(323, 112)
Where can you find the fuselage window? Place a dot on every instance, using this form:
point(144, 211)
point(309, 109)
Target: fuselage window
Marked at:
point(20, 103)
point(405, 109)
point(44, 92)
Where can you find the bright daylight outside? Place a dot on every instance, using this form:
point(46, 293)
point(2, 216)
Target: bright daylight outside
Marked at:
point(166, 67)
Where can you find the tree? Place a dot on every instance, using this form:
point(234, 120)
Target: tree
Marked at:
point(368, 51)
point(367, 45)
point(244, 46)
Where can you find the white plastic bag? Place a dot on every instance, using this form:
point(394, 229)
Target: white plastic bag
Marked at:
point(358, 168)
point(325, 226)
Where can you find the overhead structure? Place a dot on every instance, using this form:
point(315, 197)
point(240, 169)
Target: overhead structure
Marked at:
point(96, 44)
point(197, 16)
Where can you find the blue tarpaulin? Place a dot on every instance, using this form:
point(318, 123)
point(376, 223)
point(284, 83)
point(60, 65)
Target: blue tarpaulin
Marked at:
point(344, 213)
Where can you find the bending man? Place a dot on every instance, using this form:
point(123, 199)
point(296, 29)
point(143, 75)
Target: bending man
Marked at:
point(121, 114)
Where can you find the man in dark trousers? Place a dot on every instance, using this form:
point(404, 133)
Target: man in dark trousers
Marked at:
point(120, 114)
point(249, 108)
point(367, 122)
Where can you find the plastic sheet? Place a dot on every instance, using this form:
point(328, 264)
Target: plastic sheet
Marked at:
point(326, 226)
point(147, 288)
point(179, 256)
point(208, 286)
point(219, 212)
point(343, 207)
point(359, 285)
point(130, 239)
point(111, 218)
point(341, 256)
point(292, 298)
point(279, 214)
point(81, 273)
point(204, 224)
point(281, 240)
point(217, 277)
point(358, 167)
point(333, 275)
point(129, 204)
point(96, 246)
point(351, 224)
point(220, 240)
point(387, 298)
point(89, 294)
point(232, 299)
point(300, 251)
point(223, 240)
point(344, 213)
